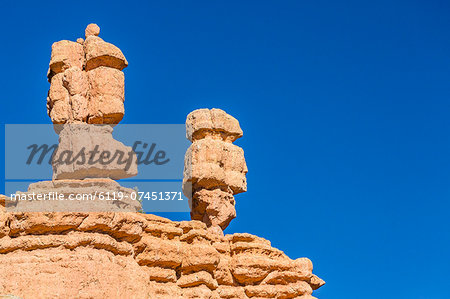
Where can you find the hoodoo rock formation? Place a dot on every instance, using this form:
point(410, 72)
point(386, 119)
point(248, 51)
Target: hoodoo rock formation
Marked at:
point(214, 168)
point(87, 84)
point(120, 253)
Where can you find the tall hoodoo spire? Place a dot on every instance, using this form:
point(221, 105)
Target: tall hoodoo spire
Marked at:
point(87, 87)
point(214, 168)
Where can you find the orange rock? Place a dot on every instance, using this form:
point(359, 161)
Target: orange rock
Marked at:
point(86, 75)
point(106, 81)
point(214, 207)
point(116, 252)
point(156, 252)
point(106, 95)
point(61, 112)
point(214, 123)
point(92, 29)
point(198, 278)
point(161, 274)
point(214, 168)
point(250, 269)
point(89, 151)
point(199, 292)
point(212, 163)
point(105, 109)
point(269, 291)
point(66, 54)
point(100, 53)
point(79, 105)
point(90, 195)
point(83, 272)
point(231, 292)
point(222, 273)
point(57, 90)
point(120, 250)
point(199, 257)
point(75, 81)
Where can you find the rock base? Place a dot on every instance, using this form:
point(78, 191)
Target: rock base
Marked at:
point(133, 255)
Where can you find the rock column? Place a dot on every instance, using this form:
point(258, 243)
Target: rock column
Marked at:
point(87, 87)
point(215, 168)
point(87, 82)
point(84, 102)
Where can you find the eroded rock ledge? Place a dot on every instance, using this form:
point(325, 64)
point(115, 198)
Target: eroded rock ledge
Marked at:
point(133, 255)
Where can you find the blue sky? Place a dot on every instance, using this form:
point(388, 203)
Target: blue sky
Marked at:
point(344, 106)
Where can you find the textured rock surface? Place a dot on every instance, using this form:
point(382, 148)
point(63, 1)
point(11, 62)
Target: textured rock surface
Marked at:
point(87, 86)
point(90, 151)
point(213, 207)
point(66, 54)
point(214, 168)
point(100, 53)
point(86, 82)
point(132, 255)
point(214, 123)
point(92, 29)
point(89, 195)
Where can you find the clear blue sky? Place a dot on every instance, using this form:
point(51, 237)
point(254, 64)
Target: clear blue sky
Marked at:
point(344, 106)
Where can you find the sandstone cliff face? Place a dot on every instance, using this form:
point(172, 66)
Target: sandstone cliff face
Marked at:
point(133, 255)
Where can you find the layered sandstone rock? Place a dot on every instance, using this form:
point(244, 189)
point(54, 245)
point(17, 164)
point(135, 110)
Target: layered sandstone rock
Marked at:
point(86, 81)
point(132, 255)
point(90, 151)
point(85, 101)
point(214, 168)
point(102, 248)
point(87, 195)
point(87, 88)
